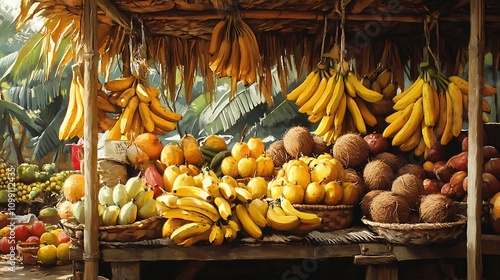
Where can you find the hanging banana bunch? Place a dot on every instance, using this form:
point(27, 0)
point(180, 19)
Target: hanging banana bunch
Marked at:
point(140, 109)
point(72, 125)
point(234, 51)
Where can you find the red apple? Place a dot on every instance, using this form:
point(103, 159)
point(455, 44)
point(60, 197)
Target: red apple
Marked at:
point(21, 232)
point(33, 239)
point(431, 186)
point(62, 237)
point(5, 245)
point(376, 143)
point(37, 228)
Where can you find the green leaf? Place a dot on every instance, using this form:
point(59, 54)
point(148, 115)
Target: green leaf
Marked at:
point(49, 139)
point(28, 59)
point(284, 112)
point(21, 115)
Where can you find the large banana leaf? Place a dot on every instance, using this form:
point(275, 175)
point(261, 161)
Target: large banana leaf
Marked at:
point(7, 61)
point(49, 139)
point(20, 114)
point(285, 111)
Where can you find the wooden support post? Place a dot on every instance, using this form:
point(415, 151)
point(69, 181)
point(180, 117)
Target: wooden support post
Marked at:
point(475, 160)
point(91, 233)
point(126, 270)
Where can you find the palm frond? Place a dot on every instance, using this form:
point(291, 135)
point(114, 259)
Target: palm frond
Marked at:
point(285, 111)
point(27, 60)
point(20, 114)
point(49, 139)
point(7, 61)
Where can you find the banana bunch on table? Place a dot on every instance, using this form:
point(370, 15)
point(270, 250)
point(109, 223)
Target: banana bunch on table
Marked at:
point(337, 100)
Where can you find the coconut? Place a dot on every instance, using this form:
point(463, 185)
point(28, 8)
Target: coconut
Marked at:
point(410, 187)
point(414, 169)
point(351, 175)
point(277, 153)
point(65, 209)
point(298, 142)
point(378, 175)
point(319, 146)
point(437, 208)
point(389, 207)
point(367, 201)
point(351, 150)
point(391, 159)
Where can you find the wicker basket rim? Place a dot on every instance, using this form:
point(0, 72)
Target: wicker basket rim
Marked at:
point(70, 224)
point(323, 207)
point(418, 226)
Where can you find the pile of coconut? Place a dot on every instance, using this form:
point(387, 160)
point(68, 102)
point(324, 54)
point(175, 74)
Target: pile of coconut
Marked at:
point(407, 202)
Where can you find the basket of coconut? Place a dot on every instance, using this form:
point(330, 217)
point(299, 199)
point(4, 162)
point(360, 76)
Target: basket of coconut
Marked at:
point(406, 215)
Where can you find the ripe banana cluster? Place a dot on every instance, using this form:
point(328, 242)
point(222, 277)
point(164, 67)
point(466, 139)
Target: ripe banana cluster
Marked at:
point(72, 125)
point(214, 156)
point(337, 100)
point(126, 203)
point(234, 51)
point(430, 110)
point(139, 109)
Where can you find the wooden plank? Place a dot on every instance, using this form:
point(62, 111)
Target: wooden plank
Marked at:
point(91, 233)
point(384, 272)
point(490, 244)
point(475, 159)
point(221, 253)
point(374, 260)
point(126, 270)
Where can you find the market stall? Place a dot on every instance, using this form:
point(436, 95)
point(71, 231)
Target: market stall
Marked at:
point(359, 64)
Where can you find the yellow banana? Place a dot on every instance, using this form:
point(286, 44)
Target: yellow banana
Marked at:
point(304, 228)
point(278, 220)
point(224, 207)
point(157, 108)
point(294, 94)
point(441, 122)
point(456, 99)
point(428, 105)
point(309, 91)
point(200, 206)
point(290, 210)
point(320, 106)
point(195, 239)
point(187, 215)
point(114, 133)
point(411, 125)
point(428, 135)
point(246, 222)
point(489, 90)
point(106, 106)
point(398, 122)
point(411, 97)
point(314, 118)
point(368, 116)
point(338, 92)
point(77, 123)
point(146, 117)
point(71, 111)
point(170, 225)
point(216, 236)
point(120, 84)
point(349, 88)
point(356, 115)
point(390, 91)
point(324, 125)
point(128, 115)
point(229, 233)
point(218, 34)
point(227, 191)
point(462, 84)
point(340, 113)
point(153, 91)
point(309, 105)
point(256, 215)
point(392, 117)
point(243, 195)
point(169, 199)
point(412, 142)
point(448, 128)
point(420, 148)
point(234, 224)
point(418, 83)
point(162, 124)
point(384, 78)
point(143, 94)
point(192, 191)
point(124, 98)
point(188, 230)
point(363, 92)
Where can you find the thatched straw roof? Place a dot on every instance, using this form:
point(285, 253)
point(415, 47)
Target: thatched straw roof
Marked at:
point(177, 31)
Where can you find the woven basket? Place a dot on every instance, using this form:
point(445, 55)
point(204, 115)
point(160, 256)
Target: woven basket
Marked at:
point(140, 230)
point(422, 234)
point(334, 217)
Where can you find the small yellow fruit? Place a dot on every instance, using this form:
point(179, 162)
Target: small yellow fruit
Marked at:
point(230, 180)
point(351, 193)
point(169, 176)
point(315, 193)
point(333, 193)
point(256, 147)
point(229, 166)
point(49, 238)
point(265, 166)
point(240, 150)
point(198, 179)
point(323, 172)
point(172, 154)
point(183, 179)
point(294, 193)
point(300, 175)
point(247, 167)
point(257, 186)
point(261, 205)
point(47, 255)
point(215, 141)
point(63, 251)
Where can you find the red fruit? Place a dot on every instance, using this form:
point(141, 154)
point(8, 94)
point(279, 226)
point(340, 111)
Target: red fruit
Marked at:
point(33, 239)
point(157, 191)
point(5, 245)
point(37, 228)
point(21, 232)
point(62, 237)
point(153, 177)
point(376, 143)
point(431, 186)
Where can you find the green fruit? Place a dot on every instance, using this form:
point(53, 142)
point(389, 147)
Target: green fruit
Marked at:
point(42, 176)
point(48, 212)
point(49, 168)
point(27, 173)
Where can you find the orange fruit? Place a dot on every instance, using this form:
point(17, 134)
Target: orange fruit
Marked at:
point(47, 255)
point(49, 238)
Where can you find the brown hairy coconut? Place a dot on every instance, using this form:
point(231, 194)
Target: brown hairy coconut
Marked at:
point(378, 175)
point(351, 150)
point(411, 168)
point(437, 208)
point(410, 187)
point(389, 207)
point(351, 175)
point(366, 202)
point(298, 142)
point(320, 146)
point(277, 153)
point(391, 159)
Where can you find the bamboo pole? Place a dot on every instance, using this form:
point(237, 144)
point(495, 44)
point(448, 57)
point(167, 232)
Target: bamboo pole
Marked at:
point(475, 160)
point(90, 235)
